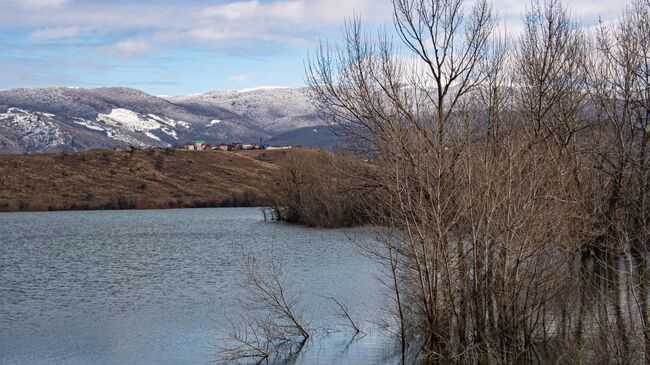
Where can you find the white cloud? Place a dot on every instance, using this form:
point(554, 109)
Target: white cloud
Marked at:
point(55, 33)
point(302, 11)
point(213, 34)
point(35, 4)
point(135, 28)
point(130, 48)
point(240, 79)
point(246, 10)
point(206, 36)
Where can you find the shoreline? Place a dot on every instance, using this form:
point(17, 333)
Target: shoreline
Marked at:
point(76, 208)
point(133, 209)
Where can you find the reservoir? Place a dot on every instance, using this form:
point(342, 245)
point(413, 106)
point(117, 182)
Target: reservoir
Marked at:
point(161, 286)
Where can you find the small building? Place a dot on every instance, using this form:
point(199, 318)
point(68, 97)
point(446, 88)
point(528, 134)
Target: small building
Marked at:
point(247, 146)
point(223, 147)
point(189, 146)
point(256, 146)
point(199, 145)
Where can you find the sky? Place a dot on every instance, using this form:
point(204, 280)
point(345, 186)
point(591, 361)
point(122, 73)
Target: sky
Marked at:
point(174, 47)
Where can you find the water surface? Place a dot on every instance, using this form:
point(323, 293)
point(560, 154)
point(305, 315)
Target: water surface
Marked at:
point(156, 287)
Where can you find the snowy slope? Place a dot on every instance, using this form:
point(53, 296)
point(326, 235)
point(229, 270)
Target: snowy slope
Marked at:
point(38, 130)
point(22, 131)
point(59, 119)
point(110, 117)
point(273, 108)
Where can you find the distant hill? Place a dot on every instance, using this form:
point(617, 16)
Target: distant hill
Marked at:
point(74, 119)
point(317, 135)
point(275, 109)
point(140, 179)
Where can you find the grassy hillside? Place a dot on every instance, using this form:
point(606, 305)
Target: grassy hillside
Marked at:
point(106, 179)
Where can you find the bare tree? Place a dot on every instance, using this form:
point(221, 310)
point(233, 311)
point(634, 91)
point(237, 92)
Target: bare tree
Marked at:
point(272, 326)
point(550, 73)
point(620, 90)
point(499, 174)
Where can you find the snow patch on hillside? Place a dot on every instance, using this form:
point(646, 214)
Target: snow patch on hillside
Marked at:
point(17, 111)
point(169, 132)
point(36, 131)
point(129, 119)
point(120, 124)
point(88, 124)
point(169, 122)
point(152, 136)
point(261, 88)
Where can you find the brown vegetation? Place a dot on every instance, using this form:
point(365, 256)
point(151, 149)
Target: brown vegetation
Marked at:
point(320, 189)
point(140, 179)
point(512, 180)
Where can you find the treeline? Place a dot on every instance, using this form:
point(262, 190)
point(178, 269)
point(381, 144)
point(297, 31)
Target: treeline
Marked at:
point(510, 177)
point(321, 188)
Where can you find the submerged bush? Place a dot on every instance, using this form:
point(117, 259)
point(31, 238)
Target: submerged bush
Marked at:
point(320, 189)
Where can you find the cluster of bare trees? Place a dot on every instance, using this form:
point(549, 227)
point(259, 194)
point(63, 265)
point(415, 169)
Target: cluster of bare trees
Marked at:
point(319, 188)
point(512, 177)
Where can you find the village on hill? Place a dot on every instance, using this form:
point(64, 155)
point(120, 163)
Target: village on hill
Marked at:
point(201, 145)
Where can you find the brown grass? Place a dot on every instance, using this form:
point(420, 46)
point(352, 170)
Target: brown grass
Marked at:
point(151, 179)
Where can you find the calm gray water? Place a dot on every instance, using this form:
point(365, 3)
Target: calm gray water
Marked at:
point(155, 287)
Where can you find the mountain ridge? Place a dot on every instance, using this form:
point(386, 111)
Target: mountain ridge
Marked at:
point(37, 120)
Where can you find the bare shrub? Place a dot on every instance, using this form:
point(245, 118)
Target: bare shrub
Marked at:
point(319, 189)
point(345, 314)
point(272, 326)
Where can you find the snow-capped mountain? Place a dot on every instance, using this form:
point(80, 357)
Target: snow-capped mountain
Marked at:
point(274, 108)
point(59, 119)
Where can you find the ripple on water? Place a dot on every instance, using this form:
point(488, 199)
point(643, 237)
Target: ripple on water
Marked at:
point(151, 287)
